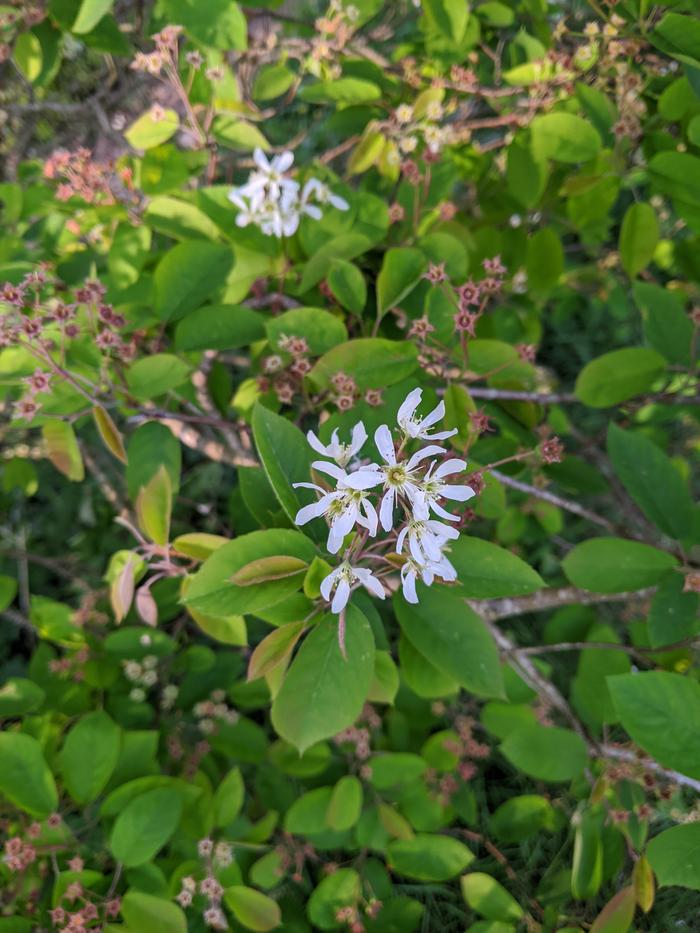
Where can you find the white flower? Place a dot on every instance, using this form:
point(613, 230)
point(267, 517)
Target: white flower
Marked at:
point(341, 453)
point(346, 506)
point(414, 427)
point(270, 174)
point(412, 570)
point(432, 487)
point(342, 579)
point(399, 478)
point(323, 194)
point(426, 539)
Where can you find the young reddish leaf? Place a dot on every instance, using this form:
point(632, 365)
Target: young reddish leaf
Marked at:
point(146, 606)
point(273, 649)
point(121, 592)
point(153, 507)
point(109, 433)
point(268, 568)
point(198, 545)
point(62, 449)
point(618, 913)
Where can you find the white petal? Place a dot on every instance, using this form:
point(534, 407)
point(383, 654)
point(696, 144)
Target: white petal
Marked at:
point(438, 509)
point(331, 469)
point(408, 584)
point(327, 583)
point(359, 436)
point(439, 435)
point(385, 444)
point(283, 161)
point(453, 465)
point(430, 451)
point(435, 415)
point(316, 444)
point(315, 510)
point(369, 520)
point(310, 486)
point(342, 594)
point(370, 582)
point(337, 202)
point(364, 478)
point(386, 510)
point(458, 493)
point(409, 405)
point(313, 211)
point(417, 547)
point(421, 512)
point(260, 160)
point(442, 531)
point(401, 538)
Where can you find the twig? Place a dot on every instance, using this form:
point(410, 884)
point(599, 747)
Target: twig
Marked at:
point(493, 609)
point(625, 754)
point(566, 504)
point(542, 398)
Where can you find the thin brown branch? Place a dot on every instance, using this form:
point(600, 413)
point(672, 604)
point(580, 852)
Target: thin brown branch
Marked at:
point(493, 609)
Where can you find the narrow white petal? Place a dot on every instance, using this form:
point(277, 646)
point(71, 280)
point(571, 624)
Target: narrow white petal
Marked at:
point(315, 510)
point(450, 466)
point(337, 202)
point(430, 451)
point(401, 538)
point(359, 436)
point(439, 435)
point(385, 444)
point(458, 493)
point(327, 583)
point(316, 444)
point(370, 519)
point(331, 469)
point(441, 530)
point(283, 161)
point(437, 414)
point(371, 583)
point(386, 510)
point(364, 478)
point(342, 594)
point(408, 584)
point(409, 405)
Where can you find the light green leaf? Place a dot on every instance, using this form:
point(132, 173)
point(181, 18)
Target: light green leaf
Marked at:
point(450, 17)
point(219, 327)
point(489, 898)
point(144, 826)
point(348, 285)
point(188, 274)
point(89, 756)
point(62, 449)
point(151, 446)
point(675, 856)
point(153, 128)
point(145, 913)
point(323, 692)
point(485, 570)
point(373, 362)
point(401, 271)
point(616, 376)
point(25, 778)
point(152, 376)
point(228, 798)
point(341, 889)
point(564, 137)
point(319, 328)
point(615, 565)
point(428, 858)
point(639, 235)
point(546, 753)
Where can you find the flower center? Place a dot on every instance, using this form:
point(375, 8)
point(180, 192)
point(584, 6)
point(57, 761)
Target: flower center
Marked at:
point(396, 475)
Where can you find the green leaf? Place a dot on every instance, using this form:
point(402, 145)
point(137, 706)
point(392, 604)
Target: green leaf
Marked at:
point(89, 756)
point(18, 696)
point(675, 856)
point(341, 889)
point(345, 246)
point(385, 683)
point(615, 565)
point(219, 327)
point(372, 362)
point(661, 712)
point(180, 219)
point(348, 285)
point(323, 692)
point(401, 271)
point(25, 778)
point(152, 376)
point(219, 25)
point(564, 137)
point(652, 481)
point(211, 590)
point(274, 649)
point(228, 798)
point(549, 754)
point(485, 570)
point(62, 449)
point(616, 376)
point(342, 91)
point(145, 913)
point(489, 898)
point(154, 505)
point(89, 15)
point(618, 913)
point(265, 569)
point(153, 128)
point(144, 826)
point(428, 857)
point(521, 817)
point(109, 433)
point(453, 638)
point(286, 458)
point(253, 909)
point(673, 614)
point(679, 36)
point(545, 261)
point(319, 328)
point(450, 17)
point(639, 235)
point(28, 55)
point(188, 274)
point(151, 446)
point(345, 805)
point(666, 325)
point(272, 81)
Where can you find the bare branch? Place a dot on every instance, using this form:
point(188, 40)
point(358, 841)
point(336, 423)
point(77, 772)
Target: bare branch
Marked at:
point(492, 609)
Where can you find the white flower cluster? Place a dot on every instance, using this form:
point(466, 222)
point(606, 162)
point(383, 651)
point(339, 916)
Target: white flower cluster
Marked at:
point(406, 485)
point(274, 202)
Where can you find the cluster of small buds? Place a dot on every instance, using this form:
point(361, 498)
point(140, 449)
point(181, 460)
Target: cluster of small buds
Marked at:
point(188, 889)
point(194, 759)
point(350, 916)
point(18, 854)
point(213, 709)
point(168, 696)
point(143, 674)
point(164, 56)
point(77, 921)
point(284, 371)
point(420, 128)
point(359, 735)
point(551, 450)
point(467, 750)
point(80, 176)
point(293, 855)
point(691, 582)
point(334, 29)
point(71, 666)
